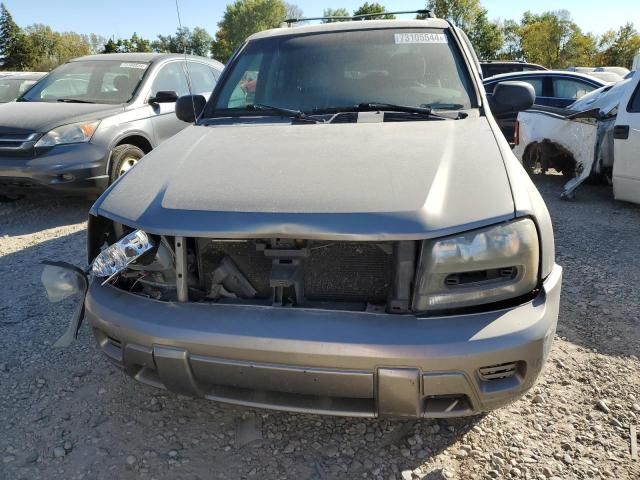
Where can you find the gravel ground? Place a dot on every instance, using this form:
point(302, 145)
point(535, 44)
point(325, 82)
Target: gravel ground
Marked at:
point(70, 414)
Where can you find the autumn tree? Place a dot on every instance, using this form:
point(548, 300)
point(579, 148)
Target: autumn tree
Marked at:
point(554, 40)
point(619, 48)
point(243, 18)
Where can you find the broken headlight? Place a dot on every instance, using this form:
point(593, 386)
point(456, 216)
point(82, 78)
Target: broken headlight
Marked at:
point(118, 256)
point(479, 267)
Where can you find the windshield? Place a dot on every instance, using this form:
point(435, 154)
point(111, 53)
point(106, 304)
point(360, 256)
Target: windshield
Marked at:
point(324, 72)
point(12, 88)
point(90, 81)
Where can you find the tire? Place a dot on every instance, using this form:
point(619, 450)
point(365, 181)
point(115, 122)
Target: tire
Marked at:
point(123, 158)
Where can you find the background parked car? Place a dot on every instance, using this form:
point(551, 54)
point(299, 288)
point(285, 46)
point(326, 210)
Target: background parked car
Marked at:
point(610, 77)
point(553, 89)
point(620, 71)
point(92, 119)
point(497, 67)
point(15, 84)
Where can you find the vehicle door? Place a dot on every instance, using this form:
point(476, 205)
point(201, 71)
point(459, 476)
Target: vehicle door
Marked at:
point(170, 78)
point(626, 146)
point(568, 90)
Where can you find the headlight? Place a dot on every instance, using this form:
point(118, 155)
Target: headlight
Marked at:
point(478, 267)
point(72, 133)
point(117, 257)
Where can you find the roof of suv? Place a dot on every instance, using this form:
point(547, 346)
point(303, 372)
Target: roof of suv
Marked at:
point(351, 25)
point(139, 57)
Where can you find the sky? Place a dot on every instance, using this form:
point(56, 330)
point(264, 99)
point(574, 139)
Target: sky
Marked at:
point(120, 18)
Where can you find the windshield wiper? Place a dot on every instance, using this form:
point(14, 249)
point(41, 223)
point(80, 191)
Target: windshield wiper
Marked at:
point(424, 110)
point(73, 100)
point(297, 114)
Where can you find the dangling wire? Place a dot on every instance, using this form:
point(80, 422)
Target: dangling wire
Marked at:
point(186, 65)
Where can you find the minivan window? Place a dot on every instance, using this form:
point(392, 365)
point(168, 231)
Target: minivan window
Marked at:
point(91, 81)
point(320, 72)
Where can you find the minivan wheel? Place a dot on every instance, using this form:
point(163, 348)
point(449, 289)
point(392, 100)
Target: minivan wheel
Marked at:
point(123, 159)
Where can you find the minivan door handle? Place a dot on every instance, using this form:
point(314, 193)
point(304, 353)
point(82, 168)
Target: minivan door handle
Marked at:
point(621, 132)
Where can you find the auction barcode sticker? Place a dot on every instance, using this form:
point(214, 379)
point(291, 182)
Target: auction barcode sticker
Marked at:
point(420, 38)
point(141, 66)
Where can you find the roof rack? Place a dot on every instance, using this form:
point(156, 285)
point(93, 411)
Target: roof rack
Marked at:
point(426, 13)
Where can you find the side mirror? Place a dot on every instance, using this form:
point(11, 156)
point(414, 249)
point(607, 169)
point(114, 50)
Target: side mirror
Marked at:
point(510, 97)
point(189, 107)
point(164, 96)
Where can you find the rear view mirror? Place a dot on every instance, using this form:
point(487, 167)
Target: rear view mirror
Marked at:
point(189, 107)
point(511, 97)
point(164, 96)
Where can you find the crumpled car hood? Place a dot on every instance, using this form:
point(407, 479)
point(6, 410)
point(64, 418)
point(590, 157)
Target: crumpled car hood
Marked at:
point(370, 181)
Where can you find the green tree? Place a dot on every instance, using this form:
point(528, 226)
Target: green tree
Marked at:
point(293, 11)
point(369, 8)
point(462, 13)
point(199, 42)
point(335, 12)
point(486, 36)
point(511, 47)
point(96, 42)
point(135, 44)
point(243, 18)
point(111, 47)
point(178, 43)
point(14, 46)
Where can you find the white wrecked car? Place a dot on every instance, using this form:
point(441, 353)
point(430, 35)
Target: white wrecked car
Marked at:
point(585, 138)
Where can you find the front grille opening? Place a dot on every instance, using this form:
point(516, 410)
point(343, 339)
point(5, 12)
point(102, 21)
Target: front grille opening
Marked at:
point(481, 276)
point(303, 273)
point(499, 372)
point(446, 405)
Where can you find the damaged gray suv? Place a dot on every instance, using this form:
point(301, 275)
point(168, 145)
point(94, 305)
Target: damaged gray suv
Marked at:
point(344, 230)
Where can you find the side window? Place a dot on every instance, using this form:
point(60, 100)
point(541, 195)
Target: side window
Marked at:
point(567, 88)
point(634, 103)
point(536, 83)
point(202, 78)
point(171, 78)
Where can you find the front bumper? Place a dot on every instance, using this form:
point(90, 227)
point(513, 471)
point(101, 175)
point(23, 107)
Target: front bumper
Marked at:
point(319, 361)
point(75, 168)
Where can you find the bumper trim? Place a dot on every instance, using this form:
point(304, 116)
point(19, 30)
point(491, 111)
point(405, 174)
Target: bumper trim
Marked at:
point(338, 363)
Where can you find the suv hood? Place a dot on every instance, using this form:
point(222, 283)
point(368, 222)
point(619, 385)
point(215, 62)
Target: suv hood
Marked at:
point(371, 181)
point(17, 117)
